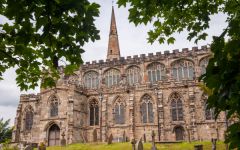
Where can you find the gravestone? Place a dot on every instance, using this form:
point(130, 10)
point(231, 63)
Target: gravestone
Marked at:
point(214, 141)
point(28, 147)
point(153, 141)
point(144, 138)
point(198, 147)
point(110, 139)
point(139, 145)
point(94, 135)
point(133, 142)
point(63, 140)
point(124, 137)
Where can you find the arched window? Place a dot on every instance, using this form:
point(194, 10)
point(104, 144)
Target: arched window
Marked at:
point(176, 107)
point(209, 112)
point(53, 106)
point(147, 109)
point(112, 77)
point(91, 80)
point(119, 112)
point(94, 112)
point(203, 65)
point(183, 69)
point(156, 72)
point(133, 75)
point(28, 118)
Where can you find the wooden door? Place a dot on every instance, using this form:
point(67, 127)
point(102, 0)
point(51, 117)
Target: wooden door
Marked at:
point(54, 135)
point(179, 133)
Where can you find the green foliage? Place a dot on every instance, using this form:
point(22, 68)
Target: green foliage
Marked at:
point(41, 33)
point(5, 131)
point(222, 79)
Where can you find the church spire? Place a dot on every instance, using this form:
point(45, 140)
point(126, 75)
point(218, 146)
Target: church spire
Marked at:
point(113, 44)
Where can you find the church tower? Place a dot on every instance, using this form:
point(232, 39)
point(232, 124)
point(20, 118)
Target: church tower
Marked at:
point(113, 44)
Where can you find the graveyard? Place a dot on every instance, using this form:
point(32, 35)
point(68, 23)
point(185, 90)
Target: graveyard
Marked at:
point(146, 146)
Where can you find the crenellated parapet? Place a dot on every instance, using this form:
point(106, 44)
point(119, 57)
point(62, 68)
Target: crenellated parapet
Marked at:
point(29, 97)
point(176, 53)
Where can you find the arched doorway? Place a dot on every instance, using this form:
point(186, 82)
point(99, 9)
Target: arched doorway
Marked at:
point(179, 133)
point(54, 135)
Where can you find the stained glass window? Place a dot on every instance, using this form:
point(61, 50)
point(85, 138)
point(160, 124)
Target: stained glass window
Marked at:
point(94, 112)
point(112, 77)
point(176, 107)
point(133, 75)
point(156, 72)
point(28, 118)
point(53, 106)
point(91, 80)
point(147, 109)
point(203, 65)
point(119, 112)
point(183, 69)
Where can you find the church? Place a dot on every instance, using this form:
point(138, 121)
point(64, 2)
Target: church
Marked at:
point(125, 98)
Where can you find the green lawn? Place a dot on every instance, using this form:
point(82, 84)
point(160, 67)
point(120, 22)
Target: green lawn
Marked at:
point(147, 146)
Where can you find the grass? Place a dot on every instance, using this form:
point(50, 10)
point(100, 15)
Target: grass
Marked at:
point(128, 146)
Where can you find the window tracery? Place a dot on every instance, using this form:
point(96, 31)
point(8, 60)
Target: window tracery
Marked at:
point(28, 118)
point(112, 77)
point(119, 111)
point(176, 107)
point(53, 106)
point(91, 80)
point(156, 72)
point(133, 75)
point(183, 69)
point(203, 65)
point(94, 112)
point(209, 112)
point(146, 109)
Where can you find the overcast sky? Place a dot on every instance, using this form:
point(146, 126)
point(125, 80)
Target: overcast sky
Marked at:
point(132, 42)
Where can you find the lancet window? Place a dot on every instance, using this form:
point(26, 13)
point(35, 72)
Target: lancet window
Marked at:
point(94, 112)
point(147, 109)
point(176, 107)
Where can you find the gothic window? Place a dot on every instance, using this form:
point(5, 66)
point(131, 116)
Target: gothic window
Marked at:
point(112, 77)
point(119, 112)
point(53, 106)
point(176, 107)
point(94, 112)
point(203, 65)
point(133, 75)
point(209, 112)
point(147, 109)
point(183, 69)
point(28, 118)
point(91, 80)
point(156, 72)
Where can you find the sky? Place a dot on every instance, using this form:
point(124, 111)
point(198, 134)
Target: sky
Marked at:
point(132, 40)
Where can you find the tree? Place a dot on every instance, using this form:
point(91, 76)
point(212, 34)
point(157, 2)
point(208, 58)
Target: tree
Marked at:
point(40, 33)
point(223, 71)
point(5, 131)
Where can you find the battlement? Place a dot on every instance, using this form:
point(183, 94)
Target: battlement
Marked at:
point(150, 56)
point(29, 97)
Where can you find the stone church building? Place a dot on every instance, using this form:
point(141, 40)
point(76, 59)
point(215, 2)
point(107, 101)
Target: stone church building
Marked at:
point(127, 98)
